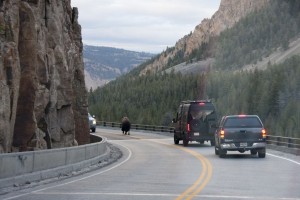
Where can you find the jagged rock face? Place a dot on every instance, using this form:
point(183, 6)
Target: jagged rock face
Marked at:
point(229, 13)
point(43, 96)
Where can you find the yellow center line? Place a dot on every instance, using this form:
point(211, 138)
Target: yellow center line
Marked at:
point(204, 183)
point(204, 177)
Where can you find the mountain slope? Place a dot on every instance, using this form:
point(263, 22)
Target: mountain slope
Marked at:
point(229, 13)
point(103, 64)
point(252, 42)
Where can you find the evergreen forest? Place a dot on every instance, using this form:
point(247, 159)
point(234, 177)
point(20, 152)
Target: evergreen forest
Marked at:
point(273, 94)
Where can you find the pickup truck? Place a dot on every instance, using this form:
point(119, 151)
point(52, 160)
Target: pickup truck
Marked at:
point(240, 133)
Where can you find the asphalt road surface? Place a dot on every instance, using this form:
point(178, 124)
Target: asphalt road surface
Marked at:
point(152, 167)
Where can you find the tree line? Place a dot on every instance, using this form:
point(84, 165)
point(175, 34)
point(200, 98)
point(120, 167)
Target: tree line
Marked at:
point(273, 94)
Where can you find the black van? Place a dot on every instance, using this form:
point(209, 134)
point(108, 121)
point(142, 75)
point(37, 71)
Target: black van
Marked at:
point(195, 121)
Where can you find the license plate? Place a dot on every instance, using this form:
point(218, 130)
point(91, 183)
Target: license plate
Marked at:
point(243, 144)
point(196, 134)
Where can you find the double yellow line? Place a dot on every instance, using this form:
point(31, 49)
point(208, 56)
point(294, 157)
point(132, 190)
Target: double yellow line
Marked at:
point(203, 179)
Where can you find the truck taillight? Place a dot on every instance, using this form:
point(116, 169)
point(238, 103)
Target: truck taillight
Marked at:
point(264, 133)
point(188, 127)
point(222, 134)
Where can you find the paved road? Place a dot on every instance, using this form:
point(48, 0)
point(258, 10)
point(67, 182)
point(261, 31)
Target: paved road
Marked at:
point(152, 167)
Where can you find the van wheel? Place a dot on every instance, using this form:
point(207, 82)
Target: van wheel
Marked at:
point(176, 140)
point(185, 142)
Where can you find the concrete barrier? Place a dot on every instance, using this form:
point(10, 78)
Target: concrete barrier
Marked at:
point(23, 167)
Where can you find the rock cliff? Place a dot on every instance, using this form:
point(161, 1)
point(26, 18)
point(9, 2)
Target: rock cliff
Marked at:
point(229, 12)
point(43, 101)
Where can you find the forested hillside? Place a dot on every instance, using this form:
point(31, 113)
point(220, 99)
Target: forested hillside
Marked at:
point(273, 94)
point(258, 35)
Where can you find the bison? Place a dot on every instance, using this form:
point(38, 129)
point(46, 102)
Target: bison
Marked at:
point(126, 125)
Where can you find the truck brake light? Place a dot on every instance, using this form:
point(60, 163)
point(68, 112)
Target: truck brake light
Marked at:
point(222, 134)
point(264, 133)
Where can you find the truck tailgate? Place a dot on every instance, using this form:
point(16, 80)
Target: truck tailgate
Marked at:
point(243, 134)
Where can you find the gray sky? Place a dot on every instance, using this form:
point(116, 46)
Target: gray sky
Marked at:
point(140, 25)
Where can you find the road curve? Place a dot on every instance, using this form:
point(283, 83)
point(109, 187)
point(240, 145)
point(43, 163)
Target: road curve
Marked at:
point(152, 167)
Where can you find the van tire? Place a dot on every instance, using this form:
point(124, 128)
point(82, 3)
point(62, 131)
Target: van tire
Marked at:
point(176, 140)
point(185, 142)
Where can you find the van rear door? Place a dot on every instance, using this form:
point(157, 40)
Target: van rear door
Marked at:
point(201, 117)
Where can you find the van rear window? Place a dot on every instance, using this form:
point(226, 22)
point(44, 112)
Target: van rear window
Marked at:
point(202, 107)
point(239, 122)
point(198, 111)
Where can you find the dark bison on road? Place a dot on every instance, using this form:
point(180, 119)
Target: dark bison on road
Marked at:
point(125, 125)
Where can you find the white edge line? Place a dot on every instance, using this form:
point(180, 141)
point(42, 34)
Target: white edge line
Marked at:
point(36, 191)
point(295, 162)
point(167, 195)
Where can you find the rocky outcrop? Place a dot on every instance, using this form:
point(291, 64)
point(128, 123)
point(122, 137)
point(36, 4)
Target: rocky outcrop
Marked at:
point(229, 13)
point(43, 97)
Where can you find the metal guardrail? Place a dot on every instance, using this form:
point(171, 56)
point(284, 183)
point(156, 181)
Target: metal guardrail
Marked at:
point(138, 126)
point(284, 141)
point(278, 141)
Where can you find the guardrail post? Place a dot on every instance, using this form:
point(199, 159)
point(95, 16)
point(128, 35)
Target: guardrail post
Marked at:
point(290, 143)
point(278, 143)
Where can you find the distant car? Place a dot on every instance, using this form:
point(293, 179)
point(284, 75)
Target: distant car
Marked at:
point(241, 133)
point(92, 123)
point(195, 121)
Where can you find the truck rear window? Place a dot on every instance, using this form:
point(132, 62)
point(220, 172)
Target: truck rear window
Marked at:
point(239, 122)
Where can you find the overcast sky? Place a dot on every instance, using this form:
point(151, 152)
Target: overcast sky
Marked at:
point(140, 25)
